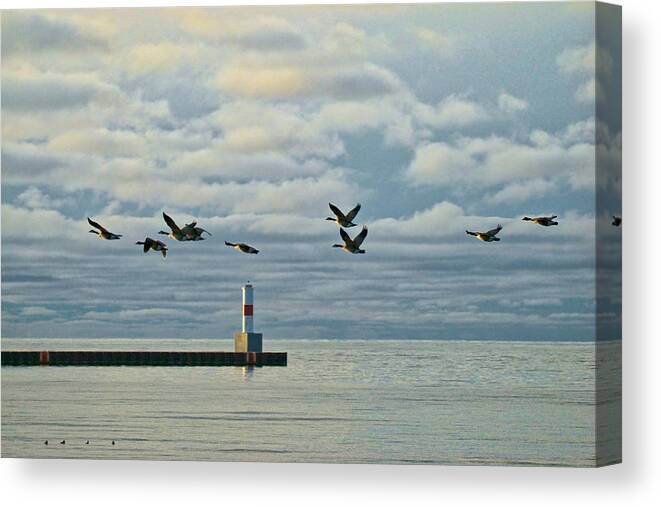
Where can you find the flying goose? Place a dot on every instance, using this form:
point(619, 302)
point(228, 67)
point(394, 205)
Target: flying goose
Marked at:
point(102, 232)
point(487, 236)
point(616, 221)
point(153, 244)
point(175, 232)
point(194, 233)
point(352, 245)
point(242, 247)
point(544, 221)
point(340, 218)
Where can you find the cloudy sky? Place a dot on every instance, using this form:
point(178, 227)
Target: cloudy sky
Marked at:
point(437, 118)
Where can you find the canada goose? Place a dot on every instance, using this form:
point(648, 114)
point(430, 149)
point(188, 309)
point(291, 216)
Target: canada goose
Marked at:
point(242, 247)
point(153, 244)
point(352, 245)
point(487, 236)
point(63, 442)
point(175, 232)
point(340, 218)
point(544, 221)
point(87, 442)
point(102, 232)
point(617, 221)
point(194, 233)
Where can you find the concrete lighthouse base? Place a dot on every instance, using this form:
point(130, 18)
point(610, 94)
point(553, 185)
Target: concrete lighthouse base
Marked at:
point(247, 342)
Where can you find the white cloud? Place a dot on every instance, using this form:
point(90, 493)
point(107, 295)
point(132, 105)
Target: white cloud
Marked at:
point(99, 142)
point(511, 104)
point(38, 311)
point(434, 39)
point(519, 192)
point(438, 163)
point(578, 60)
point(590, 91)
point(453, 111)
point(293, 81)
point(159, 57)
point(488, 162)
point(249, 31)
point(39, 224)
point(589, 61)
point(26, 89)
point(32, 197)
point(442, 219)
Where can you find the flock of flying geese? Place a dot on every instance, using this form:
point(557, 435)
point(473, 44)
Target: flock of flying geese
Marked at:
point(543, 221)
point(191, 232)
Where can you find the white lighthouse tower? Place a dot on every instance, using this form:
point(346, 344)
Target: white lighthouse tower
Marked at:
point(247, 340)
point(246, 325)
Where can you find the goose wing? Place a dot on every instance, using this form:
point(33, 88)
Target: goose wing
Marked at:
point(345, 237)
point(189, 230)
point(358, 240)
point(495, 231)
point(148, 244)
point(336, 211)
point(171, 224)
point(96, 225)
point(352, 214)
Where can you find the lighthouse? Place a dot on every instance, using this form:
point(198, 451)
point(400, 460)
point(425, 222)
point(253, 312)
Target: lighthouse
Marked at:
point(247, 340)
point(246, 324)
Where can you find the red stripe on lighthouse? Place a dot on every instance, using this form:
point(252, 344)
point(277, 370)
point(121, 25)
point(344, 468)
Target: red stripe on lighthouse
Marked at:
point(247, 309)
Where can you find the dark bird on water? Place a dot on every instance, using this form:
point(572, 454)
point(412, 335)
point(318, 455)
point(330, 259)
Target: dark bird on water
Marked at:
point(46, 442)
point(153, 244)
point(352, 245)
point(113, 442)
point(242, 247)
point(617, 221)
point(340, 218)
point(487, 236)
point(543, 221)
point(63, 442)
point(87, 442)
point(102, 232)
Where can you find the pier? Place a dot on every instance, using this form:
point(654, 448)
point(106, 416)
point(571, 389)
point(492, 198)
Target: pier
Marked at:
point(140, 358)
point(247, 352)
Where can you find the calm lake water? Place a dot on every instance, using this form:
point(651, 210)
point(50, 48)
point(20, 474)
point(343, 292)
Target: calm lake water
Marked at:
point(446, 402)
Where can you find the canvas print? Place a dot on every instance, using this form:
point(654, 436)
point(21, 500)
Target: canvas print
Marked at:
point(326, 234)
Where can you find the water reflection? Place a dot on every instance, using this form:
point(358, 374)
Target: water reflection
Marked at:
point(247, 372)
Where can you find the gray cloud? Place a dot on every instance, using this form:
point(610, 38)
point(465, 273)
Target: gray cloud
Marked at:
point(27, 32)
point(44, 94)
point(273, 40)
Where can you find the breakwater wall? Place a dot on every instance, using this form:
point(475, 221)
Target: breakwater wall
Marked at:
point(140, 358)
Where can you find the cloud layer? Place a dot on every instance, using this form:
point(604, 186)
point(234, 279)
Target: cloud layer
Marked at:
point(252, 120)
